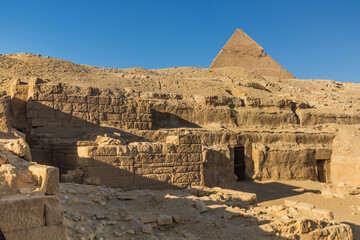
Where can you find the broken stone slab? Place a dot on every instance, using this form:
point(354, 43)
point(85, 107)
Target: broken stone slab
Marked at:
point(125, 196)
point(47, 177)
point(323, 213)
point(147, 228)
point(305, 206)
point(99, 216)
point(327, 193)
point(148, 219)
point(93, 181)
point(200, 206)
point(277, 208)
point(243, 196)
point(164, 220)
point(290, 203)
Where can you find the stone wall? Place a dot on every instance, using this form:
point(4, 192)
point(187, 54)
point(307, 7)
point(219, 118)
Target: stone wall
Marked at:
point(65, 106)
point(175, 163)
point(32, 218)
point(286, 162)
point(345, 158)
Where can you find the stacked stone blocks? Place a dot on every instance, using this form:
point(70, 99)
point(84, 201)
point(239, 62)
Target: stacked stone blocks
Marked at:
point(145, 164)
point(60, 106)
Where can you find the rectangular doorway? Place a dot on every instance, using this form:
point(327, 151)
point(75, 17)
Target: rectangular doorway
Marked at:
point(239, 163)
point(321, 170)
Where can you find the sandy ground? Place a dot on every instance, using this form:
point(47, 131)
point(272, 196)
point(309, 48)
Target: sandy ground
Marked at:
point(96, 212)
point(346, 210)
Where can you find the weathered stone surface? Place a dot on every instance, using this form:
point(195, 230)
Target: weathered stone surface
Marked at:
point(53, 211)
point(147, 228)
point(45, 232)
point(164, 220)
point(47, 177)
point(200, 206)
point(323, 213)
point(337, 232)
point(21, 213)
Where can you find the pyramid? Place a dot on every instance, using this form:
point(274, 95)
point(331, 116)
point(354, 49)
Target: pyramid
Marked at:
point(242, 51)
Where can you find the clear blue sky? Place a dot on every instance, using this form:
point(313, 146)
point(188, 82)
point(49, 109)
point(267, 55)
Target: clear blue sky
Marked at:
point(309, 38)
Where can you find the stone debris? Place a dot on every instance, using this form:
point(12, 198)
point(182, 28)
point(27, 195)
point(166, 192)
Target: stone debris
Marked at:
point(147, 228)
point(175, 216)
point(93, 181)
point(125, 196)
point(164, 220)
point(200, 206)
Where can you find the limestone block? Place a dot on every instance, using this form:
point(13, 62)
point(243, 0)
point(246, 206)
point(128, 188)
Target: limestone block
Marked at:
point(120, 181)
point(152, 179)
point(33, 114)
point(105, 161)
point(103, 151)
point(46, 96)
point(200, 206)
point(83, 152)
point(93, 181)
point(93, 108)
point(323, 213)
point(243, 196)
point(169, 148)
point(189, 168)
point(38, 122)
point(163, 220)
point(149, 158)
point(125, 161)
point(114, 116)
point(148, 218)
point(291, 203)
point(304, 206)
point(76, 99)
point(123, 150)
point(187, 177)
point(47, 177)
point(60, 98)
point(58, 106)
point(157, 147)
point(53, 211)
point(176, 158)
point(104, 100)
point(194, 157)
point(189, 148)
point(106, 108)
point(172, 139)
point(79, 107)
point(94, 100)
point(189, 139)
point(101, 171)
point(46, 232)
point(145, 148)
point(21, 213)
point(54, 123)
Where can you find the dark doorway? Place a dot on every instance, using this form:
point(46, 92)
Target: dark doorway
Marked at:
point(239, 163)
point(321, 170)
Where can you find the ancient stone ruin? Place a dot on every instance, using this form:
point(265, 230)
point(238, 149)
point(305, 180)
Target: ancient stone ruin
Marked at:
point(243, 119)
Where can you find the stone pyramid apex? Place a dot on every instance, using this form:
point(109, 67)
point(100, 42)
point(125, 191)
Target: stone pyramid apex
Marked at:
point(242, 51)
